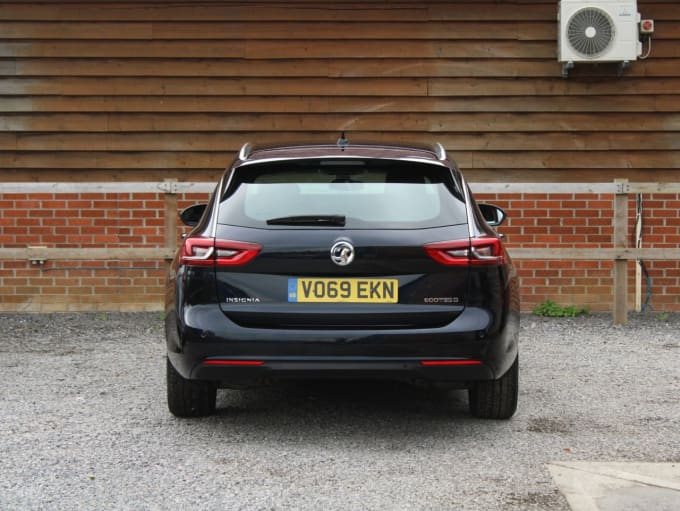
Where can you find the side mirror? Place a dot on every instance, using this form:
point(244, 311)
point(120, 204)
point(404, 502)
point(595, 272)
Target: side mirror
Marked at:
point(493, 215)
point(191, 215)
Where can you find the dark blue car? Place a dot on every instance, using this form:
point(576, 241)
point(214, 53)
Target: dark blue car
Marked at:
point(342, 261)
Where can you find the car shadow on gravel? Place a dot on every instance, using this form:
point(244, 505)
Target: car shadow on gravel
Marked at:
point(350, 410)
point(365, 397)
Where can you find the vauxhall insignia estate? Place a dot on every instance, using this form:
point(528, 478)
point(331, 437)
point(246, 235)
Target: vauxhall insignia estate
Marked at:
point(342, 262)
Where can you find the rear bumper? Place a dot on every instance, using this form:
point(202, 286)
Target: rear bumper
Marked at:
point(369, 368)
point(361, 354)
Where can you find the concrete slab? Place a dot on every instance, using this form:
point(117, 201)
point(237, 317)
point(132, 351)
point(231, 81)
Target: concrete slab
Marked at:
point(598, 486)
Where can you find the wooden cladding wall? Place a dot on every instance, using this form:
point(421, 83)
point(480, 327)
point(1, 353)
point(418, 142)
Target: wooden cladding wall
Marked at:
point(147, 90)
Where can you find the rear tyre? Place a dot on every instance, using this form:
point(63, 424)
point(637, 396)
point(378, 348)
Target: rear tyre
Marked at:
point(189, 398)
point(496, 399)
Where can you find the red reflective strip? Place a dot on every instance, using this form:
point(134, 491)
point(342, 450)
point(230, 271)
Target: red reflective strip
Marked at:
point(450, 362)
point(233, 362)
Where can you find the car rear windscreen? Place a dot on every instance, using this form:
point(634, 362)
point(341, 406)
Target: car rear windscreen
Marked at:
point(353, 193)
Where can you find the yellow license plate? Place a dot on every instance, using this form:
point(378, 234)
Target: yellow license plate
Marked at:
point(343, 290)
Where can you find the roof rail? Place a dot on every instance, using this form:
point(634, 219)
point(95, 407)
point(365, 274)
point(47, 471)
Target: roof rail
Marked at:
point(245, 151)
point(440, 152)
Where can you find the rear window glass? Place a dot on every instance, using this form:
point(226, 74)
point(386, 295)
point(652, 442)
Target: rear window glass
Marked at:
point(366, 194)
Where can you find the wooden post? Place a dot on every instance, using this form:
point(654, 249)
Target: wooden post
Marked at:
point(621, 241)
point(638, 261)
point(169, 186)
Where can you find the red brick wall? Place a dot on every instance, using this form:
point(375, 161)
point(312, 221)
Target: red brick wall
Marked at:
point(144, 90)
point(661, 223)
point(113, 220)
point(83, 220)
point(585, 221)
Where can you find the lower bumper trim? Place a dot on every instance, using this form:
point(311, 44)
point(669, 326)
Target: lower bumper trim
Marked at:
point(248, 371)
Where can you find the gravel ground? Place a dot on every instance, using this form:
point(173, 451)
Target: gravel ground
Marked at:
point(85, 424)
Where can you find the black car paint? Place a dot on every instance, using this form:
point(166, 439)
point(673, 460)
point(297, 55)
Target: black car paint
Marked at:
point(198, 327)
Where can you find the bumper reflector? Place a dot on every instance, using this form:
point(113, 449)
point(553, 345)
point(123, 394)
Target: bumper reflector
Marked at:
point(430, 363)
point(242, 363)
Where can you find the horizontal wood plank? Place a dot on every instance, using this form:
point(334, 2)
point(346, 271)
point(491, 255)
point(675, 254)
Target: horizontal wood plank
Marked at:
point(19, 175)
point(160, 253)
point(174, 186)
point(552, 175)
point(596, 254)
point(340, 104)
point(210, 86)
point(293, 11)
point(433, 123)
point(466, 159)
point(228, 141)
point(145, 87)
point(315, 68)
point(557, 175)
point(299, 49)
point(347, 11)
point(544, 87)
point(264, 30)
point(452, 87)
point(87, 253)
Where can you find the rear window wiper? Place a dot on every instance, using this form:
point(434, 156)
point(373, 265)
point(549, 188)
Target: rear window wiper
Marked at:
point(311, 220)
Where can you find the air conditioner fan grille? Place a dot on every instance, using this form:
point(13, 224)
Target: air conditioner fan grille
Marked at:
point(590, 32)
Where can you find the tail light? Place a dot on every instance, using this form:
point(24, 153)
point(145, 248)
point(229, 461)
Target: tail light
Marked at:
point(443, 363)
point(235, 362)
point(467, 252)
point(199, 251)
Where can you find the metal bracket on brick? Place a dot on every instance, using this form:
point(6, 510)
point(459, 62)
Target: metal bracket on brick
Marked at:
point(169, 186)
point(36, 255)
point(622, 188)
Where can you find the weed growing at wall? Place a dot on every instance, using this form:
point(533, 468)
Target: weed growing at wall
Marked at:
point(554, 310)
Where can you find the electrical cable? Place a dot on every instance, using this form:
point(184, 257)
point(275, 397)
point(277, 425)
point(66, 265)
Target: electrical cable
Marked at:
point(93, 268)
point(648, 296)
point(649, 50)
point(637, 242)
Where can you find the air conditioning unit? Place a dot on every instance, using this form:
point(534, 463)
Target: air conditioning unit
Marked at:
point(598, 31)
